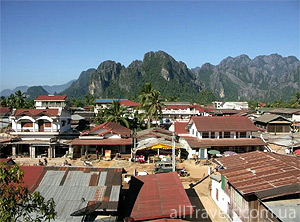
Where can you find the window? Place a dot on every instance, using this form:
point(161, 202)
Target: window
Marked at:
point(226, 134)
point(26, 124)
point(47, 124)
point(69, 121)
point(232, 134)
point(220, 135)
point(243, 134)
point(212, 134)
point(205, 134)
point(63, 123)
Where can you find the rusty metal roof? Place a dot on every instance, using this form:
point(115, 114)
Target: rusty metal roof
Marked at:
point(157, 196)
point(75, 188)
point(259, 171)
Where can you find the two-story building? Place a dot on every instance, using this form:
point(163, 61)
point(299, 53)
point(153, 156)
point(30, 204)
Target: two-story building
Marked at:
point(258, 186)
point(181, 111)
point(40, 131)
point(221, 133)
point(273, 123)
point(50, 102)
point(105, 103)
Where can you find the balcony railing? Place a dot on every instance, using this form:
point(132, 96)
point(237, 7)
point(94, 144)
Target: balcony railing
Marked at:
point(37, 131)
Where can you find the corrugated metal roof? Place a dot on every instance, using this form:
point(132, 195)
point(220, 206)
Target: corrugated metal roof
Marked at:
point(73, 188)
point(158, 195)
point(257, 171)
point(285, 210)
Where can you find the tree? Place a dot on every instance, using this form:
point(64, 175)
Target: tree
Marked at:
point(155, 105)
point(16, 203)
point(151, 103)
point(20, 99)
point(295, 101)
point(117, 113)
point(88, 99)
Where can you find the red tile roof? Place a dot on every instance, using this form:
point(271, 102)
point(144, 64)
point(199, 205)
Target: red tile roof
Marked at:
point(258, 171)
point(179, 127)
point(51, 98)
point(4, 110)
point(223, 123)
point(104, 142)
point(195, 142)
point(128, 103)
point(110, 127)
point(159, 196)
point(36, 112)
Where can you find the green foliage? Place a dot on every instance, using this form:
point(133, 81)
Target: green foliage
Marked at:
point(17, 101)
point(151, 103)
point(16, 203)
point(205, 96)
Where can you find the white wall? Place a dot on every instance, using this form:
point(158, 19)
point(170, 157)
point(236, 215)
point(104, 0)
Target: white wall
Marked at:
point(223, 198)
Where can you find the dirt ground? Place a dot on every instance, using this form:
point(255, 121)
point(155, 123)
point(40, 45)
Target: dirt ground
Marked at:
point(197, 172)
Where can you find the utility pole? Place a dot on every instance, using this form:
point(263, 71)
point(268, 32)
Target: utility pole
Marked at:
point(173, 152)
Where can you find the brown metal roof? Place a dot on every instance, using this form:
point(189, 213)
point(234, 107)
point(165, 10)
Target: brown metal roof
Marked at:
point(198, 143)
point(258, 171)
point(121, 141)
point(223, 123)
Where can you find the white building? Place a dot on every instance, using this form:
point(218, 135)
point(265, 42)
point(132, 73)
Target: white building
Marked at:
point(39, 131)
point(231, 105)
point(50, 102)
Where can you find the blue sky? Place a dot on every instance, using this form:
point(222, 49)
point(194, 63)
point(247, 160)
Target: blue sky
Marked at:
point(52, 42)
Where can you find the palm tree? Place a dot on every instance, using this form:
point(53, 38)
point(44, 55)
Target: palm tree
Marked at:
point(155, 105)
point(11, 101)
point(150, 101)
point(145, 94)
point(20, 99)
point(116, 113)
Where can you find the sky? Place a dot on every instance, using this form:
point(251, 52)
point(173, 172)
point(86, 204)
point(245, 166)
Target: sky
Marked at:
point(48, 43)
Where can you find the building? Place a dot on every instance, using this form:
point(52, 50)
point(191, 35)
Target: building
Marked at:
point(273, 123)
point(80, 193)
point(181, 111)
point(157, 196)
point(107, 136)
point(179, 128)
point(231, 105)
point(258, 186)
point(221, 133)
point(50, 102)
point(291, 114)
point(4, 117)
point(104, 103)
point(41, 132)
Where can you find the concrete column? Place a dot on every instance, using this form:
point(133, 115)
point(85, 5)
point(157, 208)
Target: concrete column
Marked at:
point(32, 151)
point(14, 150)
point(71, 151)
point(54, 152)
point(50, 151)
point(82, 150)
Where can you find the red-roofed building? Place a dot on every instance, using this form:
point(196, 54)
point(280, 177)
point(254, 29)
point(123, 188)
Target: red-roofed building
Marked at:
point(262, 186)
point(107, 136)
point(104, 103)
point(4, 116)
point(50, 101)
point(180, 111)
point(222, 133)
point(157, 196)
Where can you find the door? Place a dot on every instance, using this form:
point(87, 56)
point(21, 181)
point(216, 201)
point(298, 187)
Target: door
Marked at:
point(202, 153)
